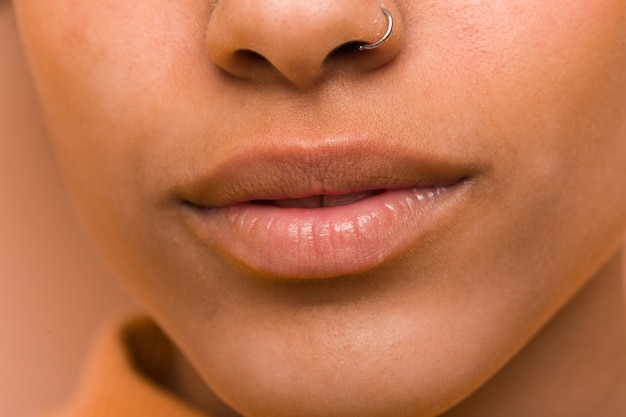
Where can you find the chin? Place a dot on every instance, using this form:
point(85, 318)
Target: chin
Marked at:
point(337, 390)
point(365, 363)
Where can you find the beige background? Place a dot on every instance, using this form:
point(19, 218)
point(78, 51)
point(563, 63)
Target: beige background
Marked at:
point(54, 291)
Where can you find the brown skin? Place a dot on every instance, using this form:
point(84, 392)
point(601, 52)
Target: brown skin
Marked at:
point(138, 99)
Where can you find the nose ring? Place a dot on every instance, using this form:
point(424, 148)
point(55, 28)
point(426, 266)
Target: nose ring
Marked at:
point(379, 42)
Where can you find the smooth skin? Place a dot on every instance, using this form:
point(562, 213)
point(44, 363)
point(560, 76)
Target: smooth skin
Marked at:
point(513, 306)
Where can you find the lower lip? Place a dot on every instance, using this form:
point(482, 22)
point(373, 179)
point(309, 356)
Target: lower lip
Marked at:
point(325, 242)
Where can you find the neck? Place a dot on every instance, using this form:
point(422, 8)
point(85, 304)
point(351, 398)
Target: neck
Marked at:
point(576, 366)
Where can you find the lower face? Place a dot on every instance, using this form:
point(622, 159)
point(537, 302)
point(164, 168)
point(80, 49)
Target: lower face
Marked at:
point(504, 192)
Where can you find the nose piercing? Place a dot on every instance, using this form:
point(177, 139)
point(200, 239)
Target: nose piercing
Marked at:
point(379, 42)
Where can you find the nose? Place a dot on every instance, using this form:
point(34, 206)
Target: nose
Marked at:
point(302, 41)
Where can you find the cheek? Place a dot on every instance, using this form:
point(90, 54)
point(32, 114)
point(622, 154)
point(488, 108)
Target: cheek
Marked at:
point(107, 73)
point(565, 113)
point(113, 65)
point(548, 84)
point(541, 90)
point(540, 84)
point(111, 76)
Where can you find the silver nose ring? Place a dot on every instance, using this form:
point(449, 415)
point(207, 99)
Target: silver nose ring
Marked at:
point(379, 42)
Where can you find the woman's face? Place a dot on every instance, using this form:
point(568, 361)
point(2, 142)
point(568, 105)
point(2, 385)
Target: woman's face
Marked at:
point(326, 231)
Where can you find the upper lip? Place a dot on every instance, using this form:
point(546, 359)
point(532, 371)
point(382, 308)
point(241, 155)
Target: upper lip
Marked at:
point(268, 170)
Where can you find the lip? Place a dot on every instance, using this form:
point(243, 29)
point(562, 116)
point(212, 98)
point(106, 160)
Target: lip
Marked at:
point(408, 195)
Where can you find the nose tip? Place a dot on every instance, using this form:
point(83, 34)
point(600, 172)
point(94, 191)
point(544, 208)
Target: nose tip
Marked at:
point(301, 41)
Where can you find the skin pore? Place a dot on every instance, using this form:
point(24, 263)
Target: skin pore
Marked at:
point(511, 301)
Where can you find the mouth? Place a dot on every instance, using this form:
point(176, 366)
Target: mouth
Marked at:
point(316, 212)
point(320, 201)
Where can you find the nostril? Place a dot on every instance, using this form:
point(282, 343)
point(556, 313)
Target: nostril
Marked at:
point(245, 61)
point(251, 57)
point(345, 49)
